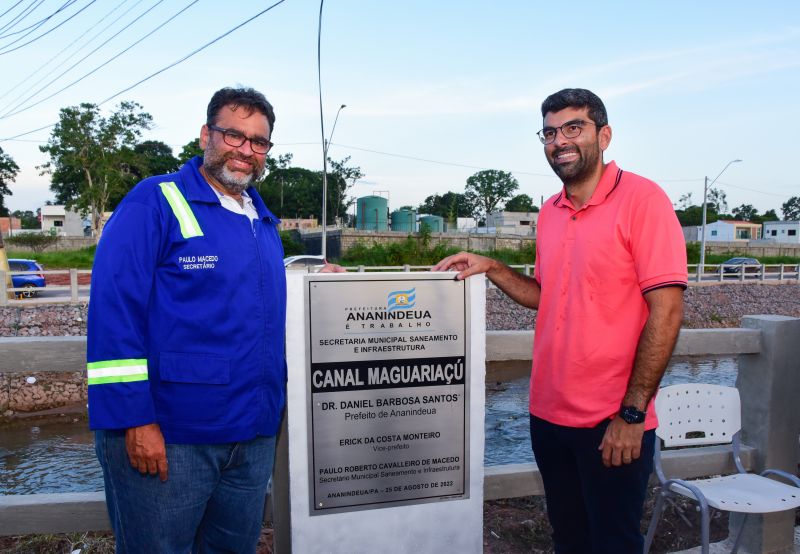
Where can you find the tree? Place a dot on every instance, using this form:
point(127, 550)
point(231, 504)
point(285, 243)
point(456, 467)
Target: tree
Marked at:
point(685, 201)
point(154, 158)
point(486, 189)
point(342, 178)
point(275, 168)
point(27, 219)
point(791, 209)
point(450, 206)
point(719, 199)
point(8, 172)
point(693, 215)
point(745, 212)
point(91, 156)
point(769, 215)
point(190, 150)
point(521, 203)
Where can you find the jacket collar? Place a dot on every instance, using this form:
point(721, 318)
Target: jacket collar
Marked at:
point(197, 189)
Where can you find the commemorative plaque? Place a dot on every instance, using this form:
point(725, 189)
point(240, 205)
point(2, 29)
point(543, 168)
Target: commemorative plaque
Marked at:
point(388, 392)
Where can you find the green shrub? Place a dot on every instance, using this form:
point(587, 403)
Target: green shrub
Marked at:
point(290, 246)
point(37, 242)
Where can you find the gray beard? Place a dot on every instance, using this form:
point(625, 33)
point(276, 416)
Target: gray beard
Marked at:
point(233, 182)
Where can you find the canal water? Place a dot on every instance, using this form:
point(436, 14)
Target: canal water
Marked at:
point(60, 457)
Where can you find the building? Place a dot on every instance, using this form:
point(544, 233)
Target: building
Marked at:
point(298, 223)
point(730, 231)
point(57, 220)
point(513, 223)
point(782, 231)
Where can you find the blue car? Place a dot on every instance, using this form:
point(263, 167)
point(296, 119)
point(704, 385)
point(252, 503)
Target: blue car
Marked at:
point(29, 282)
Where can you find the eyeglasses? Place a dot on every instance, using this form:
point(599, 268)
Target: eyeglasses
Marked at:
point(236, 139)
point(570, 129)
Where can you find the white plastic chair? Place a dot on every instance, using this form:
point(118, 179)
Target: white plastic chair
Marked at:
point(697, 415)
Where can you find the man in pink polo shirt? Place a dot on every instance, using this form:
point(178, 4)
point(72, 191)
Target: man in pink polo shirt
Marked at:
point(608, 286)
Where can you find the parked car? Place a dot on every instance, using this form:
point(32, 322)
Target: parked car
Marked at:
point(735, 265)
point(30, 282)
point(304, 261)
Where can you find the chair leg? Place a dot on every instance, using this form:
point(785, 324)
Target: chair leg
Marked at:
point(739, 534)
point(704, 528)
point(651, 529)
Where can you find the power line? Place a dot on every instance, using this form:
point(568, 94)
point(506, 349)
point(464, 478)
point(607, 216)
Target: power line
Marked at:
point(29, 106)
point(754, 190)
point(80, 36)
point(46, 32)
point(259, 14)
point(186, 57)
point(11, 8)
point(41, 21)
point(22, 15)
point(439, 162)
point(26, 133)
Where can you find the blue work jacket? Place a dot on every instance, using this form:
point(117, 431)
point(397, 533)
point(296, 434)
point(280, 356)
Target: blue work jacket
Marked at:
point(187, 315)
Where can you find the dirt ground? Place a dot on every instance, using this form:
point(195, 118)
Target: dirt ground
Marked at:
point(512, 526)
point(520, 526)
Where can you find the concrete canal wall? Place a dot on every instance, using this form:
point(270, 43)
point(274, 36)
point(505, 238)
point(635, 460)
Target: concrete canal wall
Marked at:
point(56, 382)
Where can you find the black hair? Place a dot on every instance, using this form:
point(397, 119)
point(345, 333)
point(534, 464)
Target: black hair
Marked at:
point(577, 98)
point(248, 98)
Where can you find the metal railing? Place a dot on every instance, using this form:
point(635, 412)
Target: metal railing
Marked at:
point(729, 273)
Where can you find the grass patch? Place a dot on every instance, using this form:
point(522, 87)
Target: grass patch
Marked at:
point(60, 259)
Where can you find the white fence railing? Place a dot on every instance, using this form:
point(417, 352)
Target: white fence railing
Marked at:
point(75, 291)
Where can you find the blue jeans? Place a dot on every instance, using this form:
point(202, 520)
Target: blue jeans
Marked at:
point(211, 502)
point(592, 508)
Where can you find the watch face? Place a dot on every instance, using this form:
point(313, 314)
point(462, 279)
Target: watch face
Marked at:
point(631, 414)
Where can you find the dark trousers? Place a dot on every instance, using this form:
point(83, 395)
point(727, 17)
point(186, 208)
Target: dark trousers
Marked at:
point(592, 508)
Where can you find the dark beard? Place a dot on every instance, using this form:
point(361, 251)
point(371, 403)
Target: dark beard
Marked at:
point(579, 170)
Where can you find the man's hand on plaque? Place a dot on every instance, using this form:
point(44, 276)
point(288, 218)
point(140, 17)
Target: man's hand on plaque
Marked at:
point(332, 268)
point(467, 264)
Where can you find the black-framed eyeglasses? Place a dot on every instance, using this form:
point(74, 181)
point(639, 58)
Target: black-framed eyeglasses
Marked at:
point(234, 138)
point(570, 129)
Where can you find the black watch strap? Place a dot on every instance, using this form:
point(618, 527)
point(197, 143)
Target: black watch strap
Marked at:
point(631, 414)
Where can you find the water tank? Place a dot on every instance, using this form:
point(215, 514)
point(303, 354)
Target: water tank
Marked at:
point(372, 213)
point(434, 222)
point(404, 220)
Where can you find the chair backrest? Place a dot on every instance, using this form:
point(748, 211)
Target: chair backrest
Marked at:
point(697, 414)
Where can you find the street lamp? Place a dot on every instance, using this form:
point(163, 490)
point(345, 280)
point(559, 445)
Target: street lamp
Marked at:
point(325, 145)
point(702, 267)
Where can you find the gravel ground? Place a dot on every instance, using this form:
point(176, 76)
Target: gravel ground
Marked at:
point(705, 306)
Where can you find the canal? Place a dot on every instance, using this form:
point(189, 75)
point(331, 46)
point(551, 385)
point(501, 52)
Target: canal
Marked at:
point(59, 457)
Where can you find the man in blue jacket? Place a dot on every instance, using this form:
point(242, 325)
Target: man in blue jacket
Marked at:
point(185, 353)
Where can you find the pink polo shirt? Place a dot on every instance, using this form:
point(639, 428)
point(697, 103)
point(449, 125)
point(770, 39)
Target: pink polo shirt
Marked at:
point(594, 265)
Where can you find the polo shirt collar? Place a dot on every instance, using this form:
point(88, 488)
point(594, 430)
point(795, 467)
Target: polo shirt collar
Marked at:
point(197, 190)
point(608, 182)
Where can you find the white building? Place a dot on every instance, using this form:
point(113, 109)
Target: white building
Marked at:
point(782, 231)
point(513, 223)
point(57, 220)
point(730, 231)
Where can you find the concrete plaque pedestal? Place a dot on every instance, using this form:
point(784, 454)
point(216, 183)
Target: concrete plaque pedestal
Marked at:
point(385, 415)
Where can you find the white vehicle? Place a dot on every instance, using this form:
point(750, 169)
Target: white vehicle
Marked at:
point(304, 261)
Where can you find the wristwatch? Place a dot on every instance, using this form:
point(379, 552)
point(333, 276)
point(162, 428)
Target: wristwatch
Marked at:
point(631, 414)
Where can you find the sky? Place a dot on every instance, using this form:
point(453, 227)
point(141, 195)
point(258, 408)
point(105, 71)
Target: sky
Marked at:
point(435, 91)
